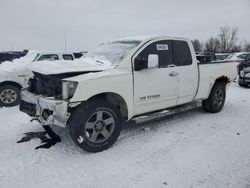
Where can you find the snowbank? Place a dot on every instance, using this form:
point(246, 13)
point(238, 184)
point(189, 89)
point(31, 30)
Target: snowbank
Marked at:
point(191, 149)
point(19, 64)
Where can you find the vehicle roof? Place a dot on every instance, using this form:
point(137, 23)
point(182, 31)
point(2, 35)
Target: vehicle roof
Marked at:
point(149, 37)
point(10, 53)
point(51, 52)
point(223, 53)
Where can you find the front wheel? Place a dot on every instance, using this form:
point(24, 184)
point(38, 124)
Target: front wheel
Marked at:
point(95, 125)
point(216, 99)
point(9, 95)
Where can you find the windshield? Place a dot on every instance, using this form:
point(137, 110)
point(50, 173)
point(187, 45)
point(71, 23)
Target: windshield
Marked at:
point(113, 52)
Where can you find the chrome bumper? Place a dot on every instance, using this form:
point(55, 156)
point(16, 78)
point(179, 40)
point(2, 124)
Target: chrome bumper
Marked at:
point(58, 108)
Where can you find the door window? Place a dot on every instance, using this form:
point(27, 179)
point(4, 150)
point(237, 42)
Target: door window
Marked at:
point(67, 57)
point(162, 48)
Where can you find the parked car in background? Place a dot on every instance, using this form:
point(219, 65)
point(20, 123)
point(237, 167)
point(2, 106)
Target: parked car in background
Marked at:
point(206, 57)
point(48, 56)
point(242, 58)
point(244, 77)
point(15, 74)
point(45, 56)
point(244, 63)
point(79, 54)
point(239, 56)
point(222, 56)
point(127, 79)
point(11, 55)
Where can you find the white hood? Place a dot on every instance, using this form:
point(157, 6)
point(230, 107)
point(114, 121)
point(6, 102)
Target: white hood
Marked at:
point(79, 65)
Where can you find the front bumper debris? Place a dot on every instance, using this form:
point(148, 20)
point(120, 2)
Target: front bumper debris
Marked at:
point(46, 110)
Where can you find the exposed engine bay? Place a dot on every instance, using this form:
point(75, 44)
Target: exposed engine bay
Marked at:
point(50, 85)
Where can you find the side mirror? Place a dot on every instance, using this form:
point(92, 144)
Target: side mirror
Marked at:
point(140, 64)
point(153, 61)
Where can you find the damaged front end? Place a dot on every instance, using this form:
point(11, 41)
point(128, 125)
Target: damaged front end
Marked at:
point(46, 111)
point(47, 98)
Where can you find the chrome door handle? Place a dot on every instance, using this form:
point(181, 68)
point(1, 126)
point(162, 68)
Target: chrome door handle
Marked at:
point(173, 74)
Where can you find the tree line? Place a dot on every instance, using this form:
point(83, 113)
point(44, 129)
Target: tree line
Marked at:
point(226, 41)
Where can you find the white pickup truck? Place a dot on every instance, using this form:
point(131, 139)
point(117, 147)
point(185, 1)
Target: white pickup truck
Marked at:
point(125, 80)
point(15, 75)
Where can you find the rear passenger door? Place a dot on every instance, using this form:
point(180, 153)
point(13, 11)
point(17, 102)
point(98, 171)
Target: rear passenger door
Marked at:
point(187, 70)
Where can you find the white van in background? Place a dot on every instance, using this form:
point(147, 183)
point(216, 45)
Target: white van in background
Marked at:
point(45, 56)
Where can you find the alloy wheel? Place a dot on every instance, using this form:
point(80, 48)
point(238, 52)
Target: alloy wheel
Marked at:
point(100, 126)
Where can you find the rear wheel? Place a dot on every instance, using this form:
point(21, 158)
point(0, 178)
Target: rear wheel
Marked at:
point(216, 99)
point(95, 125)
point(9, 95)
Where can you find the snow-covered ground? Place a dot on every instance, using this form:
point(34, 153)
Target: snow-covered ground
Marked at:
point(191, 149)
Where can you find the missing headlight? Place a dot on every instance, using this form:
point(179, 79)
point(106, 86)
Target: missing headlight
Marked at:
point(68, 89)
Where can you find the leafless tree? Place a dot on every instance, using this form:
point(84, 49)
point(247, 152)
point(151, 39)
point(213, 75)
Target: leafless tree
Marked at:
point(237, 48)
point(212, 45)
point(225, 42)
point(246, 46)
point(228, 39)
point(198, 45)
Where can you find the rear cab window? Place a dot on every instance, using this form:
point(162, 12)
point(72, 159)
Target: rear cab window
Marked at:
point(68, 57)
point(181, 53)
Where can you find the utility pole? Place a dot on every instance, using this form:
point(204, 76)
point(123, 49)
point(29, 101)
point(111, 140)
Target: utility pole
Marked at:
point(12, 45)
point(65, 40)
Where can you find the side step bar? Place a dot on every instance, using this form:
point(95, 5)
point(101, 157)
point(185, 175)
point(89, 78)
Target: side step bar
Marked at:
point(166, 112)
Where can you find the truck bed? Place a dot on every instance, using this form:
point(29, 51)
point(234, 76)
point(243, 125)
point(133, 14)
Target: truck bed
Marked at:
point(209, 72)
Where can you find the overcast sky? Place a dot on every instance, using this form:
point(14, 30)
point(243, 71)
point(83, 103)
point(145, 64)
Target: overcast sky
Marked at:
point(42, 24)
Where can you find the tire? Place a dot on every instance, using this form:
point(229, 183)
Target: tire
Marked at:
point(9, 95)
point(95, 125)
point(216, 99)
point(242, 85)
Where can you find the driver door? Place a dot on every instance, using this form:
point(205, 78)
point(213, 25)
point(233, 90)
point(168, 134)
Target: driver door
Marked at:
point(155, 88)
